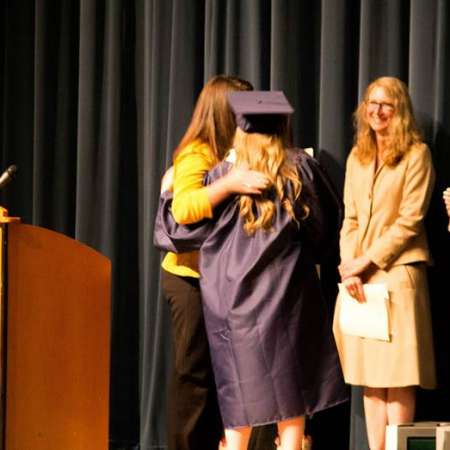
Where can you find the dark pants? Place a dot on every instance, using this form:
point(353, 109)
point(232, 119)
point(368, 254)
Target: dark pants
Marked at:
point(194, 421)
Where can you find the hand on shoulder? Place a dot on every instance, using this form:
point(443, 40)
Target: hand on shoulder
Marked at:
point(241, 180)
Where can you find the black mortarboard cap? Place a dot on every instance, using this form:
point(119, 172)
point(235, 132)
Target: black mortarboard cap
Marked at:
point(259, 111)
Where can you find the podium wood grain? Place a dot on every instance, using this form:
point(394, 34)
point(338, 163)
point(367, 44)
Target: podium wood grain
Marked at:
point(58, 339)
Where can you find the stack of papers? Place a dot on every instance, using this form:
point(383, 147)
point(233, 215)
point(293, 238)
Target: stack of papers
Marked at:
point(369, 319)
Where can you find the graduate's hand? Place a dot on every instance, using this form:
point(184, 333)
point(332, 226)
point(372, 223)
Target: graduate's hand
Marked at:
point(355, 289)
point(354, 266)
point(167, 180)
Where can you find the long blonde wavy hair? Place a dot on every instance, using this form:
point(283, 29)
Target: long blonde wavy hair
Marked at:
point(403, 130)
point(266, 153)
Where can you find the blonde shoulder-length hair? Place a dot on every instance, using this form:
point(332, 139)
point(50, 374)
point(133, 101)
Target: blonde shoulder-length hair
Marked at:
point(267, 154)
point(403, 130)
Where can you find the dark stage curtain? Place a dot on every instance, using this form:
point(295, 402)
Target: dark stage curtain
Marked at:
point(95, 95)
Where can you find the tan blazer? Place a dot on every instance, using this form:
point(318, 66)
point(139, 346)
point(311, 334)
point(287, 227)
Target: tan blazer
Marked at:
point(384, 211)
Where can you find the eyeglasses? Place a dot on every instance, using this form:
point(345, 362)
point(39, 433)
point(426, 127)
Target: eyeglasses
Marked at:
point(384, 107)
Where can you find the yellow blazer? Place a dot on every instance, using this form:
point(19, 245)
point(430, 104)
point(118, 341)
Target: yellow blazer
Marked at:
point(384, 210)
point(190, 201)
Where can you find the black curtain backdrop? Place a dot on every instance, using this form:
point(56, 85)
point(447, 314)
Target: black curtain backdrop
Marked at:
point(95, 95)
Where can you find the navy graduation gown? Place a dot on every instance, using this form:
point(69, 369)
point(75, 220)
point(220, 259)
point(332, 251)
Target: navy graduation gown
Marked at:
point(268, 326)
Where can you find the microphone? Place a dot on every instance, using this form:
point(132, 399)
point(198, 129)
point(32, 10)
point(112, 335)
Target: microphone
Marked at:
point(7, 175)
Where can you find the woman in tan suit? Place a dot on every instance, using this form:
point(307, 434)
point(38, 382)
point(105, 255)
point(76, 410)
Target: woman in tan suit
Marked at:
point(388, 184)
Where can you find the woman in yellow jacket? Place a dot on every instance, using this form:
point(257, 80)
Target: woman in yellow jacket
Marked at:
point(388, 183)
point(194, 420)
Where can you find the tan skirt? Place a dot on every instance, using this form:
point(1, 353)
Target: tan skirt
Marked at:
point(408, 359)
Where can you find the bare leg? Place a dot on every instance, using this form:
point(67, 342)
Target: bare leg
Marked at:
point(375, 408)
point(401, 405)
point(291, 433)
point(237, 438)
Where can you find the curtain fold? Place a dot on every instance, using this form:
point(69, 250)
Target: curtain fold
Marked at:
point(338, 78)
point(384, 37)
point(96, 94)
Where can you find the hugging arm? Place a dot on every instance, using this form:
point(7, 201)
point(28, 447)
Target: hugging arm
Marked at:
point(170, 236)
point(220, 183)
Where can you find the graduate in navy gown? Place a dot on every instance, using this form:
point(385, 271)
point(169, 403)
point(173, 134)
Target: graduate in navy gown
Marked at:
point(273, 354)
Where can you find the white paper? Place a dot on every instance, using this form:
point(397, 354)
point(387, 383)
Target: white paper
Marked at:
point(369, 319)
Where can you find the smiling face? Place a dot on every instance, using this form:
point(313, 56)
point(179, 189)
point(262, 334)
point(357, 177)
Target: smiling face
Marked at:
point(384, 121)
point(380, 109)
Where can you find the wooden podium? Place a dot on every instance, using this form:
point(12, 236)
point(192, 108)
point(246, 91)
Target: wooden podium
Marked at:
point(55, 340)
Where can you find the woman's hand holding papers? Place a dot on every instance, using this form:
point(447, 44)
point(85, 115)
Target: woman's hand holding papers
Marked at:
point(355, 288)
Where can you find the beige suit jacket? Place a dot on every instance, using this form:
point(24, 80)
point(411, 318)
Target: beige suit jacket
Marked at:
point(384, 210)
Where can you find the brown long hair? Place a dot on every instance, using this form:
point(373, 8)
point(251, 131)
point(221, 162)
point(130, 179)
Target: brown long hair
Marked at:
point(212, 121)
point(403, 129)
point(267, 154)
